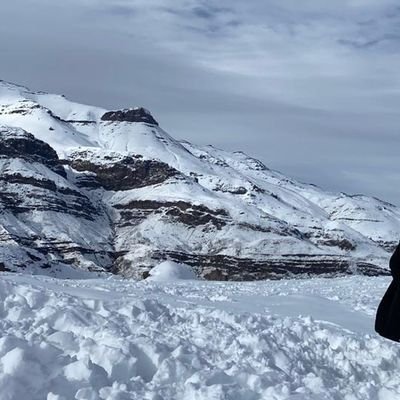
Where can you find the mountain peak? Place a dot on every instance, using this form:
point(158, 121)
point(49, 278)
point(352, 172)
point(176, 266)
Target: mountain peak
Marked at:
point(136, 114)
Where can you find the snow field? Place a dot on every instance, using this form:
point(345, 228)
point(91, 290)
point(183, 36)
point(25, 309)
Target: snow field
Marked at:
point(118, 339)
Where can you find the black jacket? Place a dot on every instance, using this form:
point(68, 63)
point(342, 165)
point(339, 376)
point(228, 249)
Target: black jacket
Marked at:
point(387, 322)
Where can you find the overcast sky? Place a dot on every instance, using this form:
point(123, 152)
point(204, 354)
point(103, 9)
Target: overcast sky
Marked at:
point(311, 87)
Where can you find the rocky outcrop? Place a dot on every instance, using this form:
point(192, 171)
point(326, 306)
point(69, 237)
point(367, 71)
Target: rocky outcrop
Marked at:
point(122, 173)
point(178, 212)
point(17, 143)
point(227, 268)
point(43, 195)
point(130, 115)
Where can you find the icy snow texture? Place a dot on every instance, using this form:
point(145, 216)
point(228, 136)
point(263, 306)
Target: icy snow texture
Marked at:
point(117, 339)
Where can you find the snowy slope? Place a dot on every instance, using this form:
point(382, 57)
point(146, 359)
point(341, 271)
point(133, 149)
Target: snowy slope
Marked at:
point(118, 339)
point(157, 198)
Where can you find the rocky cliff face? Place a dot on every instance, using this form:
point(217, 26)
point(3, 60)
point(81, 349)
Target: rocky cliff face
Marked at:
point(82, 188)
point(46, 221)
point(139, 114)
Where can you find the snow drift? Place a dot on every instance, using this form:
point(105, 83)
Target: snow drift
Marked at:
point(116, 339)
point(170, 271)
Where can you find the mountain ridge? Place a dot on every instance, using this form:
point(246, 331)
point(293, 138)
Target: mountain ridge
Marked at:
point(149, 197)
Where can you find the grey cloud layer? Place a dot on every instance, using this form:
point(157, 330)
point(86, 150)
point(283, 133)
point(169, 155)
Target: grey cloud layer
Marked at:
point(311, 88)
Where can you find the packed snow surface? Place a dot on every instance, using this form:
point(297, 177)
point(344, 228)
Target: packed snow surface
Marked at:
point(112, 339)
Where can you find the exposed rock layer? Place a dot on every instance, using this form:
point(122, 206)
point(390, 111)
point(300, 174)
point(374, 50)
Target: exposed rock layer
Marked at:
point(130, 115)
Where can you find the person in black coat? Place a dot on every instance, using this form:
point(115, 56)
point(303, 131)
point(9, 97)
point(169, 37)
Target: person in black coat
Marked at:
point(387, 322)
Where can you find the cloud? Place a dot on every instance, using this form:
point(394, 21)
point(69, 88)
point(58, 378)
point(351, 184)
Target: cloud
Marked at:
point(310, 87)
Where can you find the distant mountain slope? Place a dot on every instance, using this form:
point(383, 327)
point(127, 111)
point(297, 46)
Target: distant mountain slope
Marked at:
point(86, 188)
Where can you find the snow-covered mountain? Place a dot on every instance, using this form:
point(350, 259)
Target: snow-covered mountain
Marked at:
point(83, 188)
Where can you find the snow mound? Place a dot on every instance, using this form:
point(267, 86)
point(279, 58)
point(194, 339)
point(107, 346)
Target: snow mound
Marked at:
point(171, 271)
point(117, 339)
